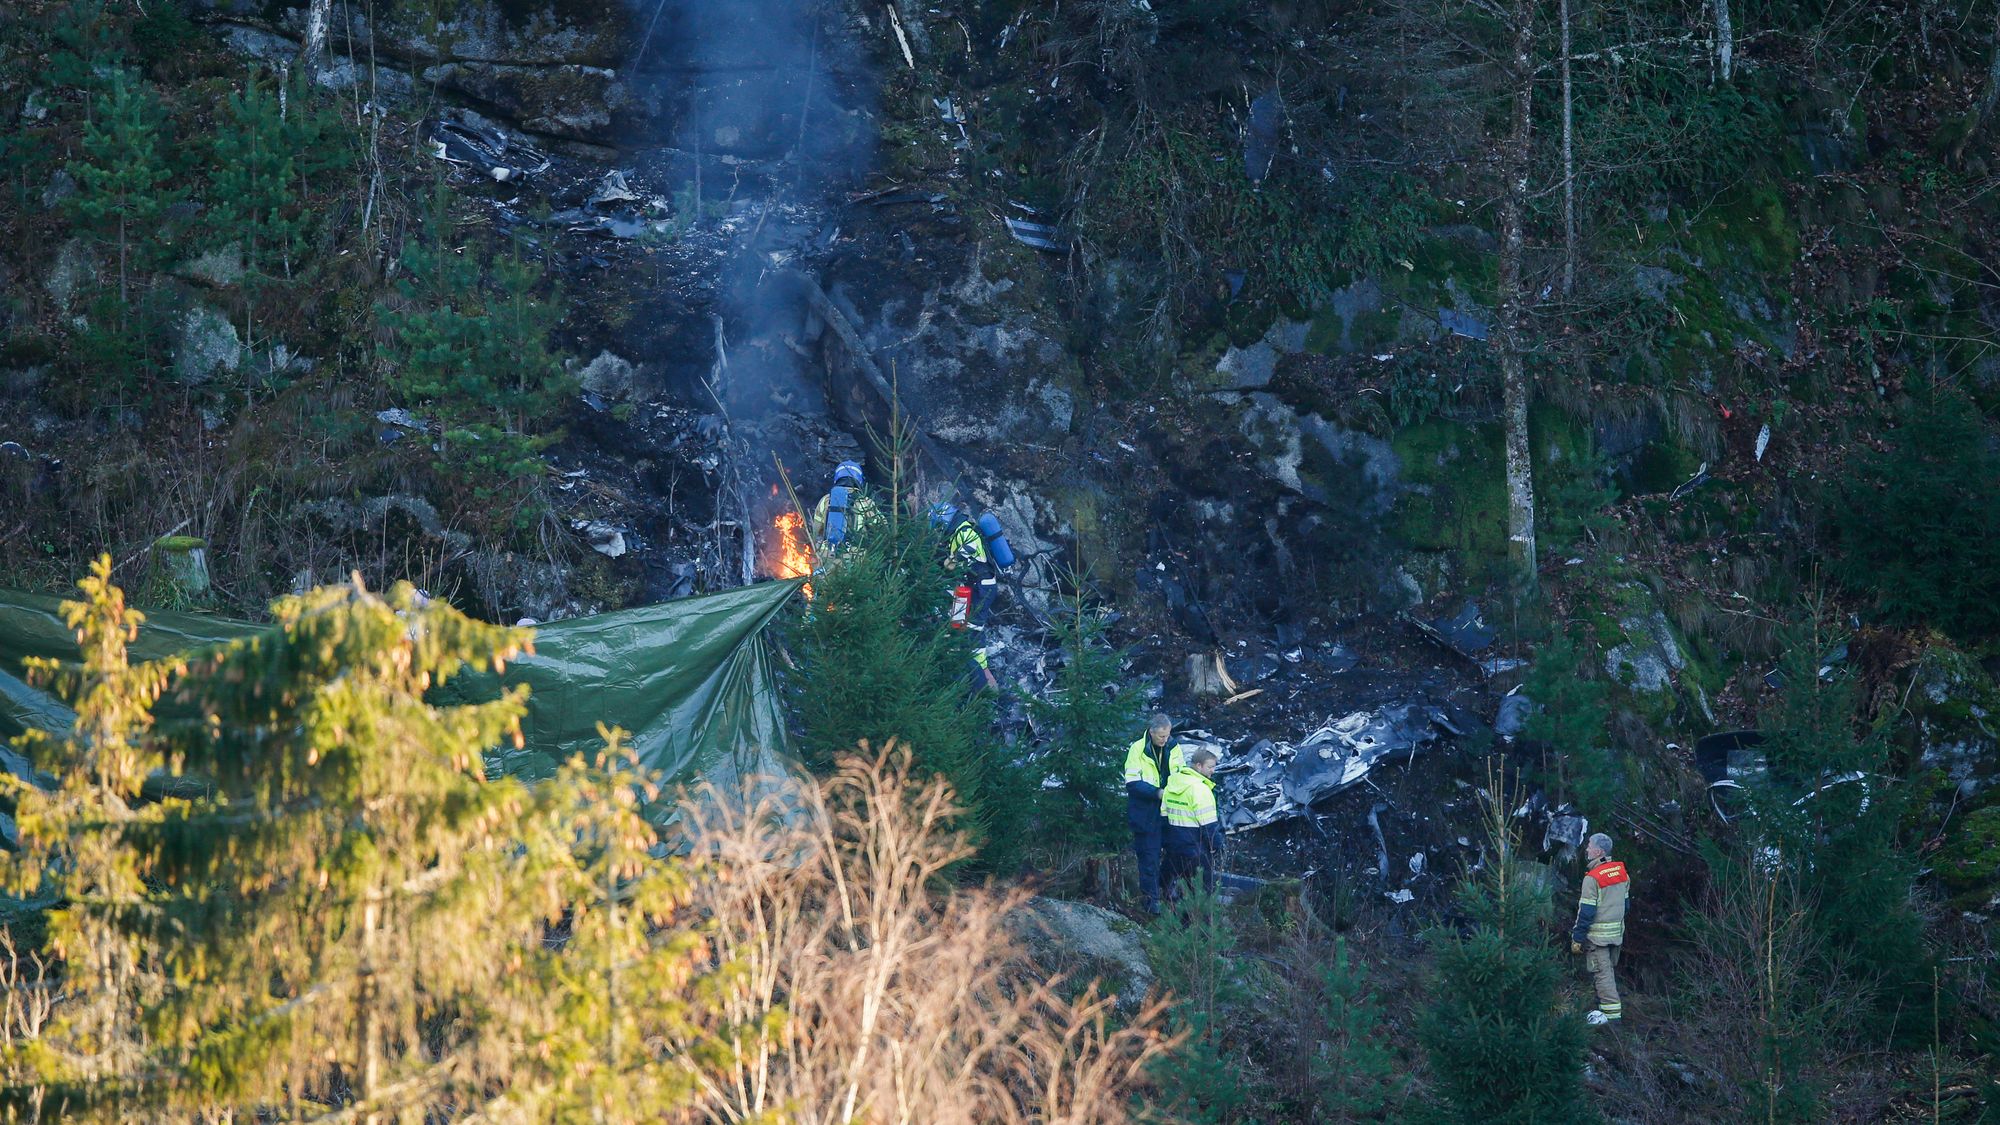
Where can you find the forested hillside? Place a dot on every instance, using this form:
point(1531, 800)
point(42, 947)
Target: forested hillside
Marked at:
point(1572, 417)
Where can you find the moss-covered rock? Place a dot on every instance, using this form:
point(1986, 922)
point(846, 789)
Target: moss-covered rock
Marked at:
point(1956, 710)
point(1454, 495)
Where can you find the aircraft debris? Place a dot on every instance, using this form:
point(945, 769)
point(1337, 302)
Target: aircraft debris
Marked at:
point(1273, 781)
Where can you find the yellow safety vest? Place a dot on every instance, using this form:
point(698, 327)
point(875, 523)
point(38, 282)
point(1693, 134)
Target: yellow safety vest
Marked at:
point(1140, 765)
point(1189, 799)
point(966, 545)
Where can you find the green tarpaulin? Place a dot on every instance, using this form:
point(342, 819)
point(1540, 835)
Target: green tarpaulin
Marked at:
point(690, 679)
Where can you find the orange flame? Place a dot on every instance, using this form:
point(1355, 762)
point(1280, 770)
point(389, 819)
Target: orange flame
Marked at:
point(794, 555)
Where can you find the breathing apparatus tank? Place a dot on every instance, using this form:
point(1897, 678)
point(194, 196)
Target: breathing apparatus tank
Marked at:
point(1002, 552)
point(838, 499)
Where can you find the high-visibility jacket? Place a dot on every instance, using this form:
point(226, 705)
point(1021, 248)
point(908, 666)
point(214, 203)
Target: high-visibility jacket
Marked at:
point(1147, 768)
point(967, 548)
point(1189, 802)
point(862, 514)
point(1600, 912)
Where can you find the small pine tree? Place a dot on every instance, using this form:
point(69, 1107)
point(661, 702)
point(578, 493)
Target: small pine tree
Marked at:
point(1504, 1048)
point(1912, 526)
point(1355, 1070)
point(523, 380)
point(74, 844)
point(351, 896)
point(477, 358)
point(1753, 987)
point(1842, 836)
point(620, 984)
point(879, 663)
point(1085, 723)
point(255, 204)
point(1190, 947)
point(87, 47)
point(123, 180)
point(1569, 721)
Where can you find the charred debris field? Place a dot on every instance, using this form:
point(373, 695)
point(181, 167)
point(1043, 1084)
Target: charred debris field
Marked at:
point(481, 479)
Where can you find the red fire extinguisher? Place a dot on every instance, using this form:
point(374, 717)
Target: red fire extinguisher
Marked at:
point(961, 606)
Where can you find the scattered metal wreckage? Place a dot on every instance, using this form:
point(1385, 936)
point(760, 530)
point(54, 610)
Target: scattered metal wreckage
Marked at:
point(1261, 139)
point(466, 139)
point(1032, 232)
point(1460, 323)
point(1732, 761)
point(1686, 488)
point(1268, 782)
point(1466, 634)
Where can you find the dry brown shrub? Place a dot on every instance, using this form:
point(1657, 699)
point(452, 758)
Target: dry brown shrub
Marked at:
point(856, 983)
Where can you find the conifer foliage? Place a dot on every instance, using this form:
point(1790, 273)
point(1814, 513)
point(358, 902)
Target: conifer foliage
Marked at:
point(470, 347)
point(1356, 1071)
point(1087, 722)
point(879, 663)
point(289, 891)
point(122, 181)
point(75, 840)
point(1830, 811)
point(1504, 1049)
point(343, 910)
point(1913, 526)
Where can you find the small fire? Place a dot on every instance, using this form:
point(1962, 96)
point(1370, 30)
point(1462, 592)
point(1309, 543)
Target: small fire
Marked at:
point(794, 555)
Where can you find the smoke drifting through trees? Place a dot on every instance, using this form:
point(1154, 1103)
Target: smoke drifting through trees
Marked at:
point(761, 98)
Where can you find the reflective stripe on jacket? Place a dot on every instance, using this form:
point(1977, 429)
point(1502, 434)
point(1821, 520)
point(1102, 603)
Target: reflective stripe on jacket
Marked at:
point(1189, 803)
point(861, 514)
point(1149, 768)
point(1189, 799)
point(966, 544)
point(1600, 911)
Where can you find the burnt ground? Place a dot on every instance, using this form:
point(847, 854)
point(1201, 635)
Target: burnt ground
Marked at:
point(682, 269)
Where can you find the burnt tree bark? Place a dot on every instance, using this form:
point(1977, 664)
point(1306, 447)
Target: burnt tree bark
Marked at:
point(1515, 387)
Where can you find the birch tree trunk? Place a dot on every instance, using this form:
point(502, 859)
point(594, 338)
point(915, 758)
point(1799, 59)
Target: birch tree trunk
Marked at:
point(312, 49)
point(1569, 164)
point(1513, 360)
point(1725, 42)
point(1992, 94)
point(911, 12)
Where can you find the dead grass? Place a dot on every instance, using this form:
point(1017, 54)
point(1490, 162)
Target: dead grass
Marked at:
point(903, 998)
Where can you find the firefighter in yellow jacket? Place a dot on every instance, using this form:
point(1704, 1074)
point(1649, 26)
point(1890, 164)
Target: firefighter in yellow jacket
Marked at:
point(1194, 831)
point(1599, 932)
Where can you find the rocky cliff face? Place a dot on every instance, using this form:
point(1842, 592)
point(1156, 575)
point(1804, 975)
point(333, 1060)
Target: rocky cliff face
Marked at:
point(559, 70)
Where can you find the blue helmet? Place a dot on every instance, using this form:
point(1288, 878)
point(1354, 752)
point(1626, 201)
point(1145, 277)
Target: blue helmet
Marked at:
point(847, 473)
point(944, 514)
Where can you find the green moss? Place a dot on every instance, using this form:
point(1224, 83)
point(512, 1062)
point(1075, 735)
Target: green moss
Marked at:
point(1099, 533)
point(1969, 863)
point(1328, 332)
point(1456, 494)
point(1377, 329)
point(179, 543)
point(1661, 465)
point(1197, 365)
point(1247, 321)
point(1745, 231)
point(1556, 437)
point(1440, 262)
